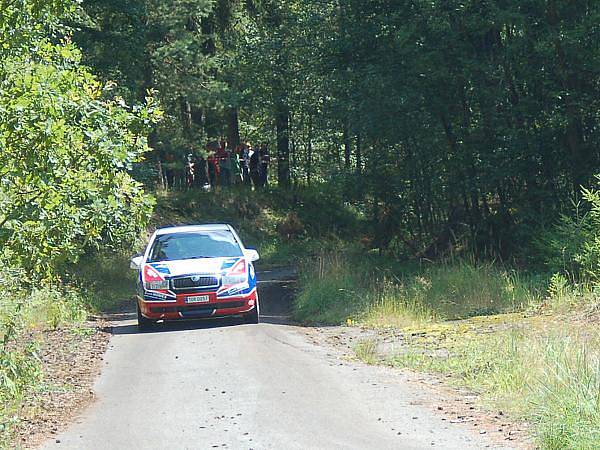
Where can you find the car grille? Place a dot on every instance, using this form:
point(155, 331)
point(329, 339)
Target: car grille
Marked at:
point(186, 283)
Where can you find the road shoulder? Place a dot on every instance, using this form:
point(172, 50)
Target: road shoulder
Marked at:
point(71, 361)
point(456, 406)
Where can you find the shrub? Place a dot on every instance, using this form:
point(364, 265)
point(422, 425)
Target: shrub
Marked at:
point(572, 246)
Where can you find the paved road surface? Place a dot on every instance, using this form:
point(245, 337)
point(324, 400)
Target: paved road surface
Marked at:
point(227, 385)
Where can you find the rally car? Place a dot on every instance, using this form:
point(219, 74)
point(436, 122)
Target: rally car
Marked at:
point(197, 271)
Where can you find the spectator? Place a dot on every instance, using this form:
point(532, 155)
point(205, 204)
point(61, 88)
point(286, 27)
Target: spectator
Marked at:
point(224, 161)
point(245, 161)
point(236, 168)
point(265, 160)
point(201, 174)
point(213, 169)
point(255, 167)
point(190, 170)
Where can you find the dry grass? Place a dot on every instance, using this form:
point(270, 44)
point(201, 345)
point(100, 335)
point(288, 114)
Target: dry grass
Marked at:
point(366, 351)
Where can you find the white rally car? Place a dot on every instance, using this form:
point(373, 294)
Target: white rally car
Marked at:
point(196, 271)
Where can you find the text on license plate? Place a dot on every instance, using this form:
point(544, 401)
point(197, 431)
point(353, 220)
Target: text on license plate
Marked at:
point(198, 299)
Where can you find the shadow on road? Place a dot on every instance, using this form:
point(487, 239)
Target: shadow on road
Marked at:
point(276, 290)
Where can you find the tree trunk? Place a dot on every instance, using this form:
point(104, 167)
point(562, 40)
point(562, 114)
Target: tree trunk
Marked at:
point(186, 115)
point(358, 154)
point(347, 147)
point(309, 153)
point(282, 122)
point(233, 128)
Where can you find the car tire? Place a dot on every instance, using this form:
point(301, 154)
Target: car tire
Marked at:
point(144, 324)
point(253, 317)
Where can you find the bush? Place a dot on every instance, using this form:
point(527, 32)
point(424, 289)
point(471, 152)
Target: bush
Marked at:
point(572, 246)
point(66, 148)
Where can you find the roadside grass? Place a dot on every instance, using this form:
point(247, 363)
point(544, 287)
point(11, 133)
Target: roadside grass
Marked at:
point(527, 345)
point(366, 351)
point(538, 369)
point(96, 284)
point(20, 367)
point(380, 293)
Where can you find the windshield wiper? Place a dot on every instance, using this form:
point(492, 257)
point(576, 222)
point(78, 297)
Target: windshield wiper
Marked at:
point(198, 257)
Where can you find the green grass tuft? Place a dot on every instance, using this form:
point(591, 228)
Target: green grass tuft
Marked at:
point(366, 351)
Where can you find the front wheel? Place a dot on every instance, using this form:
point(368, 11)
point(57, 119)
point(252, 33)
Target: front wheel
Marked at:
point(144, 324)
point(253, 316)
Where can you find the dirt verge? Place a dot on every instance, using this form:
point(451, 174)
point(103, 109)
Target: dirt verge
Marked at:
point(454, 404)
point(71, 361)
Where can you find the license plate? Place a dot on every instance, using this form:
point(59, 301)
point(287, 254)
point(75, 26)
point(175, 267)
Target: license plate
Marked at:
point(198, 299)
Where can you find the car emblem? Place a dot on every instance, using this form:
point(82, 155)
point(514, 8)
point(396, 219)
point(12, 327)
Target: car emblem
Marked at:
point(195, 278)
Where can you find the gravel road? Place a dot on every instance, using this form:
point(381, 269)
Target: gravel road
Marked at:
point(221, 384)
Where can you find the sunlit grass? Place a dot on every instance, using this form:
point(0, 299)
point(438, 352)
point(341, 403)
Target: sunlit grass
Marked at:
point(479, 324)
point(545, 373)
point(390, 306)
point(336, 287)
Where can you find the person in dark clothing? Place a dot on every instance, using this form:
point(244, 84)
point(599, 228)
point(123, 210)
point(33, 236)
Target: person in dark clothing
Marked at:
point(245, 162)
point(190, 170)
point(265, 160)
point(201, 172)
point(224, 162)
point(213, 169)
point(255, 167)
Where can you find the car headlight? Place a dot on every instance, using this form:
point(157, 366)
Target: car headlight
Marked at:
point(234, 279)
point(156, 285)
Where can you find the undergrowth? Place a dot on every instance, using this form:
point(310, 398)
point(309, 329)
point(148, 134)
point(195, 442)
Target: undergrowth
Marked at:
point(21, 313)
point(27, 310)
point(380, 293)
point(283, 226)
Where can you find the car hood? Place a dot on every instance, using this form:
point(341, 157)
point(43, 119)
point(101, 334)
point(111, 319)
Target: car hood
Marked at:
point(194, 266)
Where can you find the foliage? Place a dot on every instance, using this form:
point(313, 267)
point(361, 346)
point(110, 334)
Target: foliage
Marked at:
point(102, 281)
point(178, 49)
point(454, 124)
point(65, 150)
point(19, 365)
point(572, 246)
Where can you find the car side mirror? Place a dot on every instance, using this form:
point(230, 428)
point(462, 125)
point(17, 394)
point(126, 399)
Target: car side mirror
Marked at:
point(136, 262)
point(252, 255)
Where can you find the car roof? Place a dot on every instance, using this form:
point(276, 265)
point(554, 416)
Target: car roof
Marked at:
point(193, 228)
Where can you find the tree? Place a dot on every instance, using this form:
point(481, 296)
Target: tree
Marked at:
point(65, 147)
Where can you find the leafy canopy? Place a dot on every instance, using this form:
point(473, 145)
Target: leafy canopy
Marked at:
point(65, 147)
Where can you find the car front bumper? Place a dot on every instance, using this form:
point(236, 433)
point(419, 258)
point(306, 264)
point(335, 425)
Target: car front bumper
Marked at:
point(215, 307)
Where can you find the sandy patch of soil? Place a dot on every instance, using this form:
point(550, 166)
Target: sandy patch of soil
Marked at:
point(71, 361)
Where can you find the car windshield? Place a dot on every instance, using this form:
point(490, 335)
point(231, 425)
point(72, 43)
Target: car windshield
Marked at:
point(194, 245)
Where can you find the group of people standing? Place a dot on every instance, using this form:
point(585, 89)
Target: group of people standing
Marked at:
point(245, 164)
